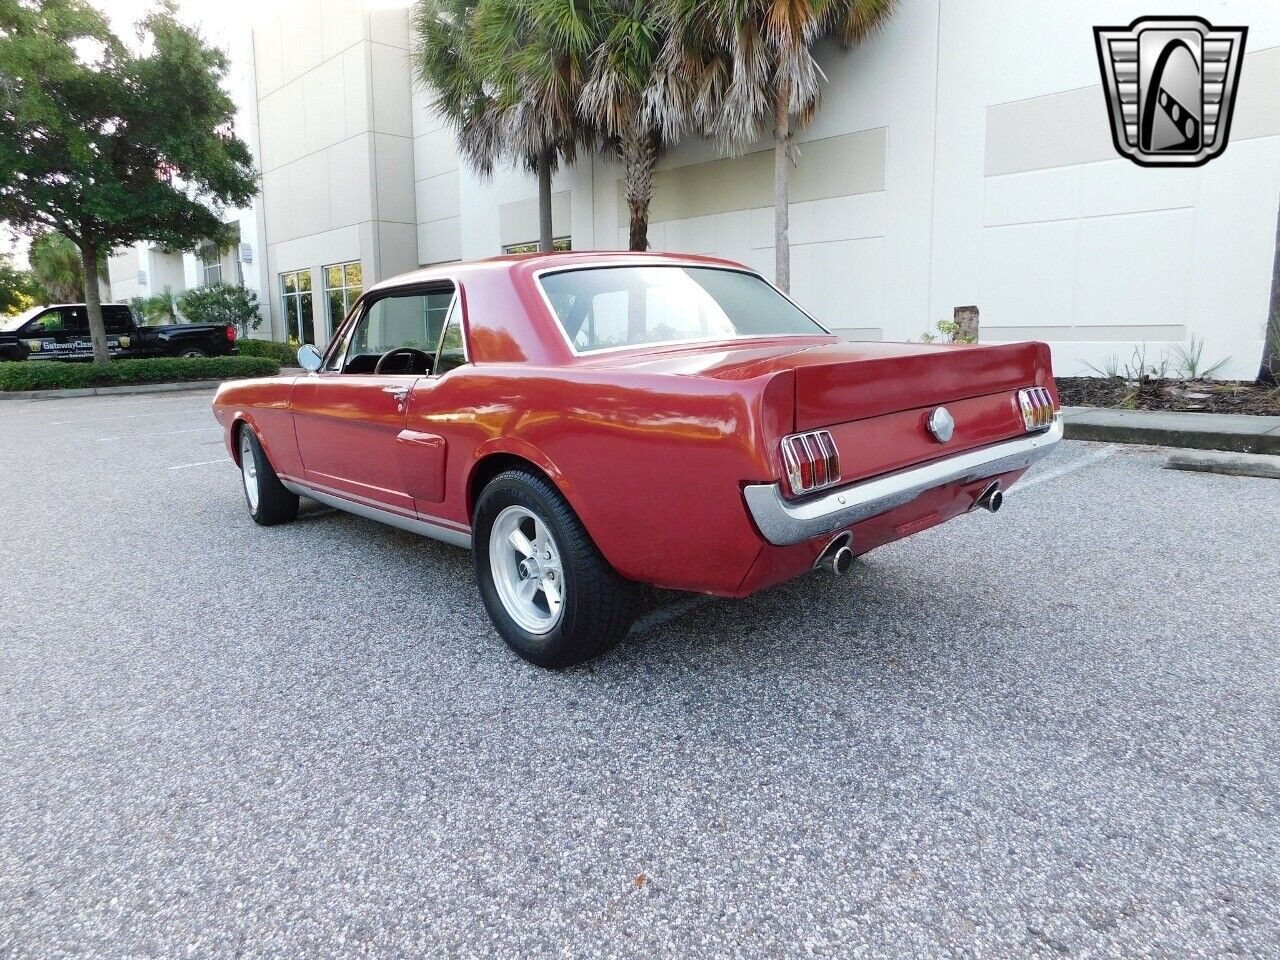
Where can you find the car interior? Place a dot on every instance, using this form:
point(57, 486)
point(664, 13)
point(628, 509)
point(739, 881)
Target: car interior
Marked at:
point(413, 334)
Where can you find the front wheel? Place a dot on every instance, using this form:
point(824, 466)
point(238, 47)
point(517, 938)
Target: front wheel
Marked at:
point(268, 501)
point(553, 597)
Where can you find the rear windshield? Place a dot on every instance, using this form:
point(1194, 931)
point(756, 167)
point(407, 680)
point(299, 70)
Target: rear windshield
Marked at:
point(604, 307)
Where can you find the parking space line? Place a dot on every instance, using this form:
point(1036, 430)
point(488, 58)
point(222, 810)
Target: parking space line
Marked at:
point(1088, 460)
point(202, 463)
point(162, 433)
point(130, 416)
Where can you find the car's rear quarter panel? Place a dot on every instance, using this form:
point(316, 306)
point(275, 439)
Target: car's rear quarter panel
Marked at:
point(653, 465)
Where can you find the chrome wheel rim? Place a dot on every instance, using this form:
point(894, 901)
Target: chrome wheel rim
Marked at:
point(193, 353)
point(525, 561)
point(249, 470)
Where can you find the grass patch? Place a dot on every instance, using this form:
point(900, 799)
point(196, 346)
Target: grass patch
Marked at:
point(60, 375)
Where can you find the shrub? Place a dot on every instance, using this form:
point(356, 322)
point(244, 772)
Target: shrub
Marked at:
point(58, 375)
point(285, 353)
point(222, 304)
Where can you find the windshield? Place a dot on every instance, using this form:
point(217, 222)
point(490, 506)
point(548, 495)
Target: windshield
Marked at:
point(604, 307)
point(10, 324)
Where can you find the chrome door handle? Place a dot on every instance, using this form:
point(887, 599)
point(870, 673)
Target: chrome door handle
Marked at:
point(400, 393)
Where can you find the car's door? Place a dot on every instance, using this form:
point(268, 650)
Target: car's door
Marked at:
point(424, 442)
point(348, 415)
point(58, 333)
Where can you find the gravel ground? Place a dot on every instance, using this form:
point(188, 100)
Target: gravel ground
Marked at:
point(1053, 732)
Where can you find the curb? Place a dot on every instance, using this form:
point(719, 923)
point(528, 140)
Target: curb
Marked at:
point(1230, 464)
point(1235, 433)
point(127, 389)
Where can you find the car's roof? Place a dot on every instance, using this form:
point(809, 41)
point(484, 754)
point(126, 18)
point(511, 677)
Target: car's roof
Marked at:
point(463, 271)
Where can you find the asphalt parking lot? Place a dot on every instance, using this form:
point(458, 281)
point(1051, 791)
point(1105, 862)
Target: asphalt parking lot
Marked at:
point(1055, 731)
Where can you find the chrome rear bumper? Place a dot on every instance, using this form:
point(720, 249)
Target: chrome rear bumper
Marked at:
point(784, 522)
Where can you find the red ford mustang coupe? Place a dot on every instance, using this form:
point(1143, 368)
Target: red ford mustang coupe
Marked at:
point(586, 421)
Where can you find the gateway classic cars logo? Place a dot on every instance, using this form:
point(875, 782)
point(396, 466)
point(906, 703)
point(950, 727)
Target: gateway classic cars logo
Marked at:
point(1170, 84)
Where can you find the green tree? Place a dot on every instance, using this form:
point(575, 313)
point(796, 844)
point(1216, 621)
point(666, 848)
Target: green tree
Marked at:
point(55, 260)
point(222, 303)
point(749, 66)
point(110, 146)
point(19, 289)
point(637, 98)
point(506, 76)
point(157, 309)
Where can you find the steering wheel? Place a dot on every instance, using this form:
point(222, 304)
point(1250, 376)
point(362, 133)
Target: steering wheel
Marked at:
point(404, 352)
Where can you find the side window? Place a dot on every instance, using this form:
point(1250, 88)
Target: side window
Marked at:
point(453, 351)
point(50, 322)
point(116, 319)
point(410, 321)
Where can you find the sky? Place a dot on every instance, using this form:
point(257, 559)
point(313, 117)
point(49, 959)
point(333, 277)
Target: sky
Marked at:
point(215, 19)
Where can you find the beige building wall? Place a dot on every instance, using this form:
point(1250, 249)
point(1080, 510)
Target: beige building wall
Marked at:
point(335, 144)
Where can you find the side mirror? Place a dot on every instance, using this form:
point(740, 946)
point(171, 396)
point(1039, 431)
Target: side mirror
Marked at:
point(309, 357)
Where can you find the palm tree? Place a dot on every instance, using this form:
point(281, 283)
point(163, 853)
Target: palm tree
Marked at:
point(634, 99)
point(55, 261)
point(1269, 370)
point(749, 64)
point(507, 74)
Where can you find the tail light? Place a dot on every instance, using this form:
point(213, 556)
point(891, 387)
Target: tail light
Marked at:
point(1037, 407)
point(812, 461)
point(231, 334)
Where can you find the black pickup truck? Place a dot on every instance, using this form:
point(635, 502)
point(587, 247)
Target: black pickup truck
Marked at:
point(61, 332)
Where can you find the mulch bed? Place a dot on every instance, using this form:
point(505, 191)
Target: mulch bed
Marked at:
point(1194, 396)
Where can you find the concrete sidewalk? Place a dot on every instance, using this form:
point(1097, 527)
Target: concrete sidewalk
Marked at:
point(1203, 431)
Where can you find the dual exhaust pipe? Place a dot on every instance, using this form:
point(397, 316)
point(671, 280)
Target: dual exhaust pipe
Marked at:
point(837, 557)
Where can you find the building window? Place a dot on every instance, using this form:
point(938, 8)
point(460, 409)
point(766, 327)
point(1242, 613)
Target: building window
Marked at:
point(210, 265)
point(295, 302)
point(559, 243)
point(343, 284)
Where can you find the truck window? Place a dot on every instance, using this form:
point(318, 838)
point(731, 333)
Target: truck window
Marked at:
point(117, 319)
point(52, 321)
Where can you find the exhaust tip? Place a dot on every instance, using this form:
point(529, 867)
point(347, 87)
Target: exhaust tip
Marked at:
point(991, 499)
point(837, 557)
point(842, 561)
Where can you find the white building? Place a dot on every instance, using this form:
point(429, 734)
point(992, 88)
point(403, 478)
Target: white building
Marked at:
point(962, 156)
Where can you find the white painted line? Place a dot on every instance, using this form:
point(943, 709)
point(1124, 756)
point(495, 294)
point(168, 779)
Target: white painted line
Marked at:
point(202, 463)
point(162, 433)
point(131, 416)
point(672, 611)
point(1079, 463)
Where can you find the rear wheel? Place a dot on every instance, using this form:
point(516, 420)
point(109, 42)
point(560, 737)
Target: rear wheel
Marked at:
point(192, 352)
point(268, 501)
point(552, 596)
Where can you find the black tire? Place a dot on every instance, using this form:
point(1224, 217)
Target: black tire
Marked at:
point(191, 352)
point(275, 503)
point(598, 604)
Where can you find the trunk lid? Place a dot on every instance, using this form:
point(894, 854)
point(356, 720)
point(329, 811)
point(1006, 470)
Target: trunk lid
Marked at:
point(843, 382)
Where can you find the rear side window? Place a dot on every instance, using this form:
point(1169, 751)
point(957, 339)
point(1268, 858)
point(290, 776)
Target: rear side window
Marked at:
point(117, 319)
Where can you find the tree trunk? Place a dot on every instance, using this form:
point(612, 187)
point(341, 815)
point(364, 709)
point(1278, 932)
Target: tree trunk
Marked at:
point(781, 159)
point(640, 156)
point(546, 236)
point(1269, 371)
point(93, 302)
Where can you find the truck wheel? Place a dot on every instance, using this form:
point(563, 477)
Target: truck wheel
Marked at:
point(552, 596)
point(268, 500)
point(192, 352)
